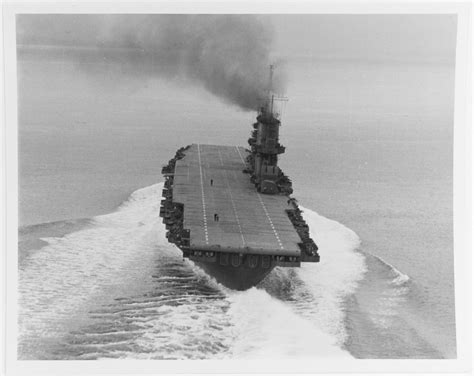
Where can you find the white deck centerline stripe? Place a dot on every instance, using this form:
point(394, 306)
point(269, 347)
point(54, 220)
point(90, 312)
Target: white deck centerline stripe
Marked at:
point(263, 205)
point(220, 156)
point(202, 194)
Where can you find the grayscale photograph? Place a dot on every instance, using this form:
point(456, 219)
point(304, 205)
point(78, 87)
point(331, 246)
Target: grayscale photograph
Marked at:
point(235, 186)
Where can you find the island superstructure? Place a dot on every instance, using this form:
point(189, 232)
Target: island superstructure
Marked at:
point(229, 209)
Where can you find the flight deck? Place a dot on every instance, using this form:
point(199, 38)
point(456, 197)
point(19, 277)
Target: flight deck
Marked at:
point(223, 210)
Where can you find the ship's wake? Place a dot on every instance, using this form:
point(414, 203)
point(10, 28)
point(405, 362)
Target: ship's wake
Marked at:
point(115, 288)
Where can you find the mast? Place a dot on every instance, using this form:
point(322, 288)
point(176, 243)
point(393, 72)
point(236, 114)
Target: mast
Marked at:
point(269, 107)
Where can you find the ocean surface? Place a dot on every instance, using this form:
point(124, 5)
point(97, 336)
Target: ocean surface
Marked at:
point(369, 150)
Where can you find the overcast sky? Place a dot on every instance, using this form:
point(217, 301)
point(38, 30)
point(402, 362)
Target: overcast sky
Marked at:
point(372, 36)
point(346, 36)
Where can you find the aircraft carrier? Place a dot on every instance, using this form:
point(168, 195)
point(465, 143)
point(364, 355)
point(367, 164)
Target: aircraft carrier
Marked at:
point(229, 209)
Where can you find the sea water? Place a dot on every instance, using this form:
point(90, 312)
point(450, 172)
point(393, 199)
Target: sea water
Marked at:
point(369, 150)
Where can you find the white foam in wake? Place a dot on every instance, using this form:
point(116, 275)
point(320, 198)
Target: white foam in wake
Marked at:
point(391, 290)
point(335, 277)
point(57, 282)
point(312, 323)
point(400, 278)
point(266, 328)
point(60, 284)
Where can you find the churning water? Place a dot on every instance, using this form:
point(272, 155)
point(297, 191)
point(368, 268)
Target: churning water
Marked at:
point(116, 288)
point(367, 144)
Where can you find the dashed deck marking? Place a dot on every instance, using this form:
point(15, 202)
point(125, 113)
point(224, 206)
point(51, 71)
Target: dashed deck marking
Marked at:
point(264, 207)
point(232, 201)
point(203, 198)
point(220, 156)
point(270, 220)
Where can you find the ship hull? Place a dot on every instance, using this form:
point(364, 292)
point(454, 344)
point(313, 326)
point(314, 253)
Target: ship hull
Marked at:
point(214, 213)
point(236, 278)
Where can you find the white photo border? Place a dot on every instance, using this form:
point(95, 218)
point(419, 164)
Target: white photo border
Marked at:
point(462, 200)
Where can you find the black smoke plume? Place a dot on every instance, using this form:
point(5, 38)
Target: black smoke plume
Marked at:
point(229, 55)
